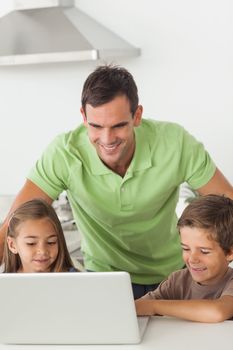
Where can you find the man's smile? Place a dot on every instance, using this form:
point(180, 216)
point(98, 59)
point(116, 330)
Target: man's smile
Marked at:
point(111, 147)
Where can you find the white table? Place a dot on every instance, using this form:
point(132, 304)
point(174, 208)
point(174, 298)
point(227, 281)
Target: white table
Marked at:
point(162, 333)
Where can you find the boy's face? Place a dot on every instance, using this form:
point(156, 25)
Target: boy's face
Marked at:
point(205, 259)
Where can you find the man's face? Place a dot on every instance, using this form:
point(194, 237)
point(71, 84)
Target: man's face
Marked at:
point(111, 130)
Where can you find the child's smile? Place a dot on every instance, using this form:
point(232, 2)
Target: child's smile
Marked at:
point(205, 259)
point(37, 245)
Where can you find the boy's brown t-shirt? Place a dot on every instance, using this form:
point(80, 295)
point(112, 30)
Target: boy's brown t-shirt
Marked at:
point(180, 285)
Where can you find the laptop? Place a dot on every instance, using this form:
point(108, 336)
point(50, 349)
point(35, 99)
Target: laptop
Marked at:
point(68, 308)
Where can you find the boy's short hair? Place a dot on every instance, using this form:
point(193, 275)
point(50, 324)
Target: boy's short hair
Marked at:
point(213, 213)
point(106, 83)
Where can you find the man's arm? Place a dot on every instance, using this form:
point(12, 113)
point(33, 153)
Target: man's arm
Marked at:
point(210, 311)
point(218, 184)
point(28, 192)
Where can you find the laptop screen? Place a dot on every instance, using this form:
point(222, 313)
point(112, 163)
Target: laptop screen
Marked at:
point(67, 308)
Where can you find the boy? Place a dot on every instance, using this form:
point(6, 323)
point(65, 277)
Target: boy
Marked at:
point(203, 291)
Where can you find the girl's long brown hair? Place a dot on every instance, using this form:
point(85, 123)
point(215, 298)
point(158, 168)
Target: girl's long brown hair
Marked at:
point(34, 210)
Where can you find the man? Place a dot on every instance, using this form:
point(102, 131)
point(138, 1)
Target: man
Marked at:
point(122, 177)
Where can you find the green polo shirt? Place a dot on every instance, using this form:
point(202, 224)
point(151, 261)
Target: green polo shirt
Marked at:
point(127, 223)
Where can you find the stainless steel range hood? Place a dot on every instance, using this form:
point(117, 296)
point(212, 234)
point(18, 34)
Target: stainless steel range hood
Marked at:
point(56, 31)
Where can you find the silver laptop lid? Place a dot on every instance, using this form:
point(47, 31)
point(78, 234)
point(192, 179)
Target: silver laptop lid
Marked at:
point(67, 308)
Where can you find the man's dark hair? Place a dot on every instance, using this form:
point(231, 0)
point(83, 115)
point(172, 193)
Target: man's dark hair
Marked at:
point(106, 83)
point(213, 213)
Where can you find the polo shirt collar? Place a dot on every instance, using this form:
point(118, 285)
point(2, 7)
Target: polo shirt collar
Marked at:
point(141, 159)
point(142, 155)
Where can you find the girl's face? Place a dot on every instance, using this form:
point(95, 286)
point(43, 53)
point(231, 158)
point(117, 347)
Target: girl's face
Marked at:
point(36, 242)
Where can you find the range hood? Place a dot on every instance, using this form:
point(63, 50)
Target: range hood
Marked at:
point(55, 31)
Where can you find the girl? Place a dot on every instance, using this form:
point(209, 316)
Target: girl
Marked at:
point(35, 241)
